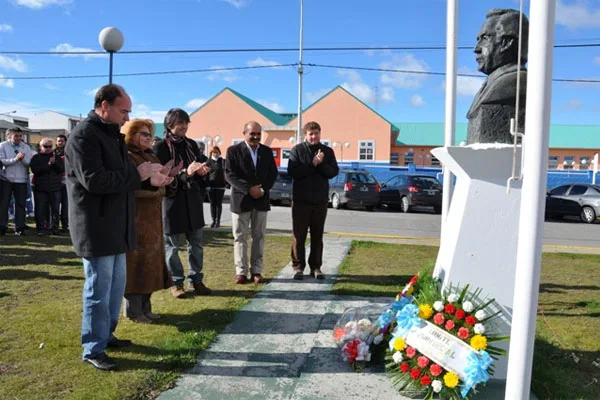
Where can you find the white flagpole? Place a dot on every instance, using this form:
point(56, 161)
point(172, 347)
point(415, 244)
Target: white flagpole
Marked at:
point(533, 195)
point(450, 121)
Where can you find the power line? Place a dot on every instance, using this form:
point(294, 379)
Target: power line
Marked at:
point(269, 50)
point(222, 69)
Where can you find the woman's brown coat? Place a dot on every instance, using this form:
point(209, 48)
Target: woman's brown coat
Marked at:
point(146, 267)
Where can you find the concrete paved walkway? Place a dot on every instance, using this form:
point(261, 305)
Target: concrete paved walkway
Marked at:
point(280, 346)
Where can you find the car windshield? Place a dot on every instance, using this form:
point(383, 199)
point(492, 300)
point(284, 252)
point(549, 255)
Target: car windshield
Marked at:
point(425, 182)
point(362, 178)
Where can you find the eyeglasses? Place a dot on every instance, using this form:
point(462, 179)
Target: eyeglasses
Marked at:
point(254, 133)
point(47, 147)
point(145, 134)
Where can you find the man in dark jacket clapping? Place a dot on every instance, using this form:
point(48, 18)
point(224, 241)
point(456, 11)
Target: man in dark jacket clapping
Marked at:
point(311, 165)
point(47, 171)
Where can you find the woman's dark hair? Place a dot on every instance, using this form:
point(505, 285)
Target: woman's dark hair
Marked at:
point(108, 93)
point(175, 115)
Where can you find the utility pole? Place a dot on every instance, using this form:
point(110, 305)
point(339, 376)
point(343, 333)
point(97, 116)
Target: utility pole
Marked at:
point(300, 72)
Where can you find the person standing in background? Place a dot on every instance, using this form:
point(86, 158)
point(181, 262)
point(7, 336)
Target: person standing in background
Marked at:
point(216, 183)
point(48, 170)
point(61, 141)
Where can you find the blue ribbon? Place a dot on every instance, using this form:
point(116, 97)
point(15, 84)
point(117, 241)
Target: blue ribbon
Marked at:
point(399, 304)
point(476, 371)
point(406, 319)
point(385, 319)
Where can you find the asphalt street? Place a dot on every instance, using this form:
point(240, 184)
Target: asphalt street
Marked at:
point(422, 227)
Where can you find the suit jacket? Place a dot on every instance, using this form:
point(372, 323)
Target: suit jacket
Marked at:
point(241, 174)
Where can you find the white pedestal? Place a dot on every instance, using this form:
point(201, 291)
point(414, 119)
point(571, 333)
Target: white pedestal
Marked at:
point(478, 243)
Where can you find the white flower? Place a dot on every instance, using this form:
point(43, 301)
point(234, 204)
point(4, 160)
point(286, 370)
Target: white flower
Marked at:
point(397, 357)
point(480, 315)
point(452, 298)
point(438, 306)
point(467, 306)
point(479, 329)
point(378, 339)
point(436, 386)
point(363, 352)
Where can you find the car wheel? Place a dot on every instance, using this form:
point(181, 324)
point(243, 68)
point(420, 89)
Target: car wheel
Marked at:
point(588, 215)
point(404, 205)
point(335, 201)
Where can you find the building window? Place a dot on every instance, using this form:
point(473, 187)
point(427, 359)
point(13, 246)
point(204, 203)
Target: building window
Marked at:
point(435, 162)
point(326, 142)
point(394, 158)
point(236, 141)
point(569, 162)
point(409, 158)
point(366, 150)
point(552, 162)
point(584, 162)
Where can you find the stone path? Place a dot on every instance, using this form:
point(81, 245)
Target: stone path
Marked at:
point(280, 346)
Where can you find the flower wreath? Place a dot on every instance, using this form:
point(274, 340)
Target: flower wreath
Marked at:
point(455, 315)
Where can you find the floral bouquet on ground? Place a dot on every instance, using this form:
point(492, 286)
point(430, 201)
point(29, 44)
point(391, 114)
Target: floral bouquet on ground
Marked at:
point(439, 343)
point(354, 334)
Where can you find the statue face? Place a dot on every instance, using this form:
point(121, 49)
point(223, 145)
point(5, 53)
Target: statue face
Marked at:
point(488, 50)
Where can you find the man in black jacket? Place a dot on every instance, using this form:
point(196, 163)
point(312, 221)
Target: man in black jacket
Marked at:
point(48, 169)
point(101, 181)
point(311, 165)
point(251, 171)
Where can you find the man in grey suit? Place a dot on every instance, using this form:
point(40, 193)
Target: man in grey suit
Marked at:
point(497, 56)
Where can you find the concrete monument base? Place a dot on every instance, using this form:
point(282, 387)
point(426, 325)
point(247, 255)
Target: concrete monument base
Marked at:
point(478, 243)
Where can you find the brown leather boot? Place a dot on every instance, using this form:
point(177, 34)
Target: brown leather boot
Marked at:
point(177, 292)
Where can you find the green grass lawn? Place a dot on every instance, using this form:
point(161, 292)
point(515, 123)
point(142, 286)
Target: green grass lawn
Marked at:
point(41, 281)
point(567, 347)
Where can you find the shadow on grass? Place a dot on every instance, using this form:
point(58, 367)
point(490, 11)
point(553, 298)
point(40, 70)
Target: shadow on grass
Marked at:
point(3, 295)
point(572, 367)
point(555, 288)
point(380, 280)
point(26, 274)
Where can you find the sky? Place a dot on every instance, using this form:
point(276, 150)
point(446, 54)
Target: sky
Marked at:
point(149, 25)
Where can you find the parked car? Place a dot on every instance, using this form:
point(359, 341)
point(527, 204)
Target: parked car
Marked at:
point(405, 191)
point(281, 192)
point(354, 187)
point(580, 199)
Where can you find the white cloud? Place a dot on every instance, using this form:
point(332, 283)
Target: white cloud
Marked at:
point(573, 105)
point(579, 14)
point(311, 97)
point(50, 86)
point(9, 83)
point(274, 106)
point(92, 92)
point(372, 53)
point(406, 62)
point(226, 75)
point(39, 4)
point(597, 60)
point(144, 111)
point(67, 47)
point(364, 92)
point(195, 103)
point(259, 62)
point(417, 101)
point(237, 3)
point(12, 64)
point(6, 28)
point(466, 85)
point(22, 108)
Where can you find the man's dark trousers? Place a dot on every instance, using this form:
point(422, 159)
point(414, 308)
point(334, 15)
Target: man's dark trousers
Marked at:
point(19, 190)
point(305, 217)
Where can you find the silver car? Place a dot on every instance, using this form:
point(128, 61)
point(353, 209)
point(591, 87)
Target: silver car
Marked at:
point(580, 199)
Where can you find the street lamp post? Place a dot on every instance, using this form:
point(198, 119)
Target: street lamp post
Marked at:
point(211, 141)
point(111, 39)
point(8, 113)
point(341, 146)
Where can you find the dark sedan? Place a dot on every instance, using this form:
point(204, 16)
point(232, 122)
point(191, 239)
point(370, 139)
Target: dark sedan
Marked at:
point(281, 192)
point(580, 199)
point(406, 191)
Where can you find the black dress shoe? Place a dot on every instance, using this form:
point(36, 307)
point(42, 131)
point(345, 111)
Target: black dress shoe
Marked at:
point(102, 362)
point(118, 343)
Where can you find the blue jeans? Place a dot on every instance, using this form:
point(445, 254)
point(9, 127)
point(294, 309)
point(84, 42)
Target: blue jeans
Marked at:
point(195, 256)
point(103, 292)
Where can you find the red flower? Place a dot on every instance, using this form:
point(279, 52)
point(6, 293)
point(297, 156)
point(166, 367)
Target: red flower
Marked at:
point(426, 380)
point(450, 309)
point(411, 352)
point(463, 333)
point(422, 361)
point(449, 325)
point(435, 370)
point(470, 320)
point(413, 280)
point(460, 314)
point(404, 367)
point(415, 373)
point(438, 318)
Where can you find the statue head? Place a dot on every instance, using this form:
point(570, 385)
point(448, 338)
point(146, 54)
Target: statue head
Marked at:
point(498, 40)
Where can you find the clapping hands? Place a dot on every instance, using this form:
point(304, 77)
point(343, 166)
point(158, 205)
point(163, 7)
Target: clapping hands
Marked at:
point(197, 168)
point(318, 158)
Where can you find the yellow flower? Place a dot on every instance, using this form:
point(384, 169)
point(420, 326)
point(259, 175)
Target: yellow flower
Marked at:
point(398, 298)
point(425, 311)
point(479, 342)
point(410, 290)
point(399, 344)
point(450, 379)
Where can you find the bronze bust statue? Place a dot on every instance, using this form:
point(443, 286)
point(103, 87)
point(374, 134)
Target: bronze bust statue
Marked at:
point(497, 57)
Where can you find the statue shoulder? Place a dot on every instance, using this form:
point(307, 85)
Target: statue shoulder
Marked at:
point(504, 87)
